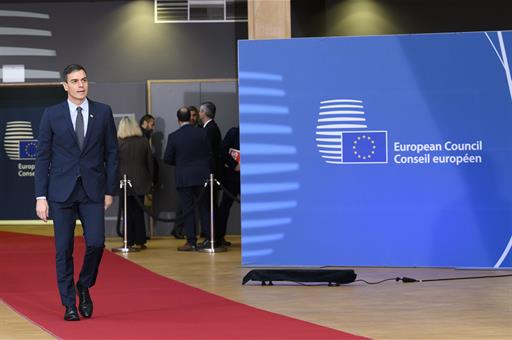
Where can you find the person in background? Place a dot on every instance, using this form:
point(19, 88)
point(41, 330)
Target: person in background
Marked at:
point(136, 162)
point(207, 116)
point(187, 149)
point(76, 177)
point(207, 112)
point(230, 156)
point(194, 116)
point(147, 125)
point(178, 230)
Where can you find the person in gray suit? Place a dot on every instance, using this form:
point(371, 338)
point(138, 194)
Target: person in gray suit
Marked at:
point(136, 161)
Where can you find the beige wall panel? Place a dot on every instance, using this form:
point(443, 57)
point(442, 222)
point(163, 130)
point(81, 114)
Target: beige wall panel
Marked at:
point(269, 19)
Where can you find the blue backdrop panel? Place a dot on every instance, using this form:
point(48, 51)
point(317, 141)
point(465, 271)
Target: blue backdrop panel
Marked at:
point(377, 151)
point(21, 108)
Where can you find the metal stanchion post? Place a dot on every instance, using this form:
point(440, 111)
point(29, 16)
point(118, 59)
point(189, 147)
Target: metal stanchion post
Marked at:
point(213, 248)
point(125, 249)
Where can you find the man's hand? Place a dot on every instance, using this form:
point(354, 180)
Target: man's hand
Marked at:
point(108, 201)
point(42, 209)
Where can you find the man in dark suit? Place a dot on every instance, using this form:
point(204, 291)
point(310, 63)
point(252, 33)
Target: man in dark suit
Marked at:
point(187, 148)
point(231, 180)
point(178, 230)
point(76, 176)
point(207, 115)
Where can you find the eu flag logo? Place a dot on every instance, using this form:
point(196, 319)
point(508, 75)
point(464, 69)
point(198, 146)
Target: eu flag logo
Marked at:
point(28, 149)
point(365, 147)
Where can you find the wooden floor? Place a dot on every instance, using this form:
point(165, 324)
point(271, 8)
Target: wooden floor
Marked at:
point(462, 309)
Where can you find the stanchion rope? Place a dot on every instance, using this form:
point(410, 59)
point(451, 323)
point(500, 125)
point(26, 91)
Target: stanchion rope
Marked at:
point(226, 191)
point(150, 213)
point(170, 220)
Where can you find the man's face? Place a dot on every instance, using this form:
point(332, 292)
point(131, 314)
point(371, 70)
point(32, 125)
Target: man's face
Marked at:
point(77, 86)
point(149, 124)
point(194, 116)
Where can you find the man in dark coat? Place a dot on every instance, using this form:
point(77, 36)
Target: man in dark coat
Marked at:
point(230, 157)
point(188, 149)
point(207, 115)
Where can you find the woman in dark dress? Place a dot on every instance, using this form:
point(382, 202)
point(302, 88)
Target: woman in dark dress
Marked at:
point(136, 161)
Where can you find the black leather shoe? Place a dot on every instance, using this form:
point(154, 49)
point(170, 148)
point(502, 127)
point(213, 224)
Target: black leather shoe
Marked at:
point(205, 243)
point(223, 243)
point(177, 235)
point(85, 302)
point(71, 314)
point(187, 247)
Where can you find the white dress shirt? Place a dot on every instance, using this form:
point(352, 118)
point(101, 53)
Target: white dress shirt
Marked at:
point(207, 122)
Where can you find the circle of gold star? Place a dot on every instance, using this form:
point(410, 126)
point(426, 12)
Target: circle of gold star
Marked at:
point(371, 151)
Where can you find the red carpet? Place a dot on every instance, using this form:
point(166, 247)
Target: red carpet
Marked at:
point(132, 302)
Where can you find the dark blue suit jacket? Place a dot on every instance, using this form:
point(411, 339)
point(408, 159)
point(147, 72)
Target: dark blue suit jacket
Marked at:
point(60, 161)
point(187, 148)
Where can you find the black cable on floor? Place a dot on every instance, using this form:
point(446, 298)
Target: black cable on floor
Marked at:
point(406, 279)
point(375, 283)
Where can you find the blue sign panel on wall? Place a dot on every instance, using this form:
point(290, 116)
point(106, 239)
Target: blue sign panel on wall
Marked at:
point(377, 151)
point(21, 108)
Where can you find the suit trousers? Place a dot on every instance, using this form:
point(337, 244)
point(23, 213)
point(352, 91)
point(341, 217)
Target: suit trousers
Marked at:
point(224, 208)
point(64, 215)
point(188, 197)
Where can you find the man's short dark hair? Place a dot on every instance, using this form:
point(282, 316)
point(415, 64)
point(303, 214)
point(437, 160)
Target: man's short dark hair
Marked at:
point(209, 109)
point(70, 69)
point(193, 108)
point(146, 118)
point(183, 114)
